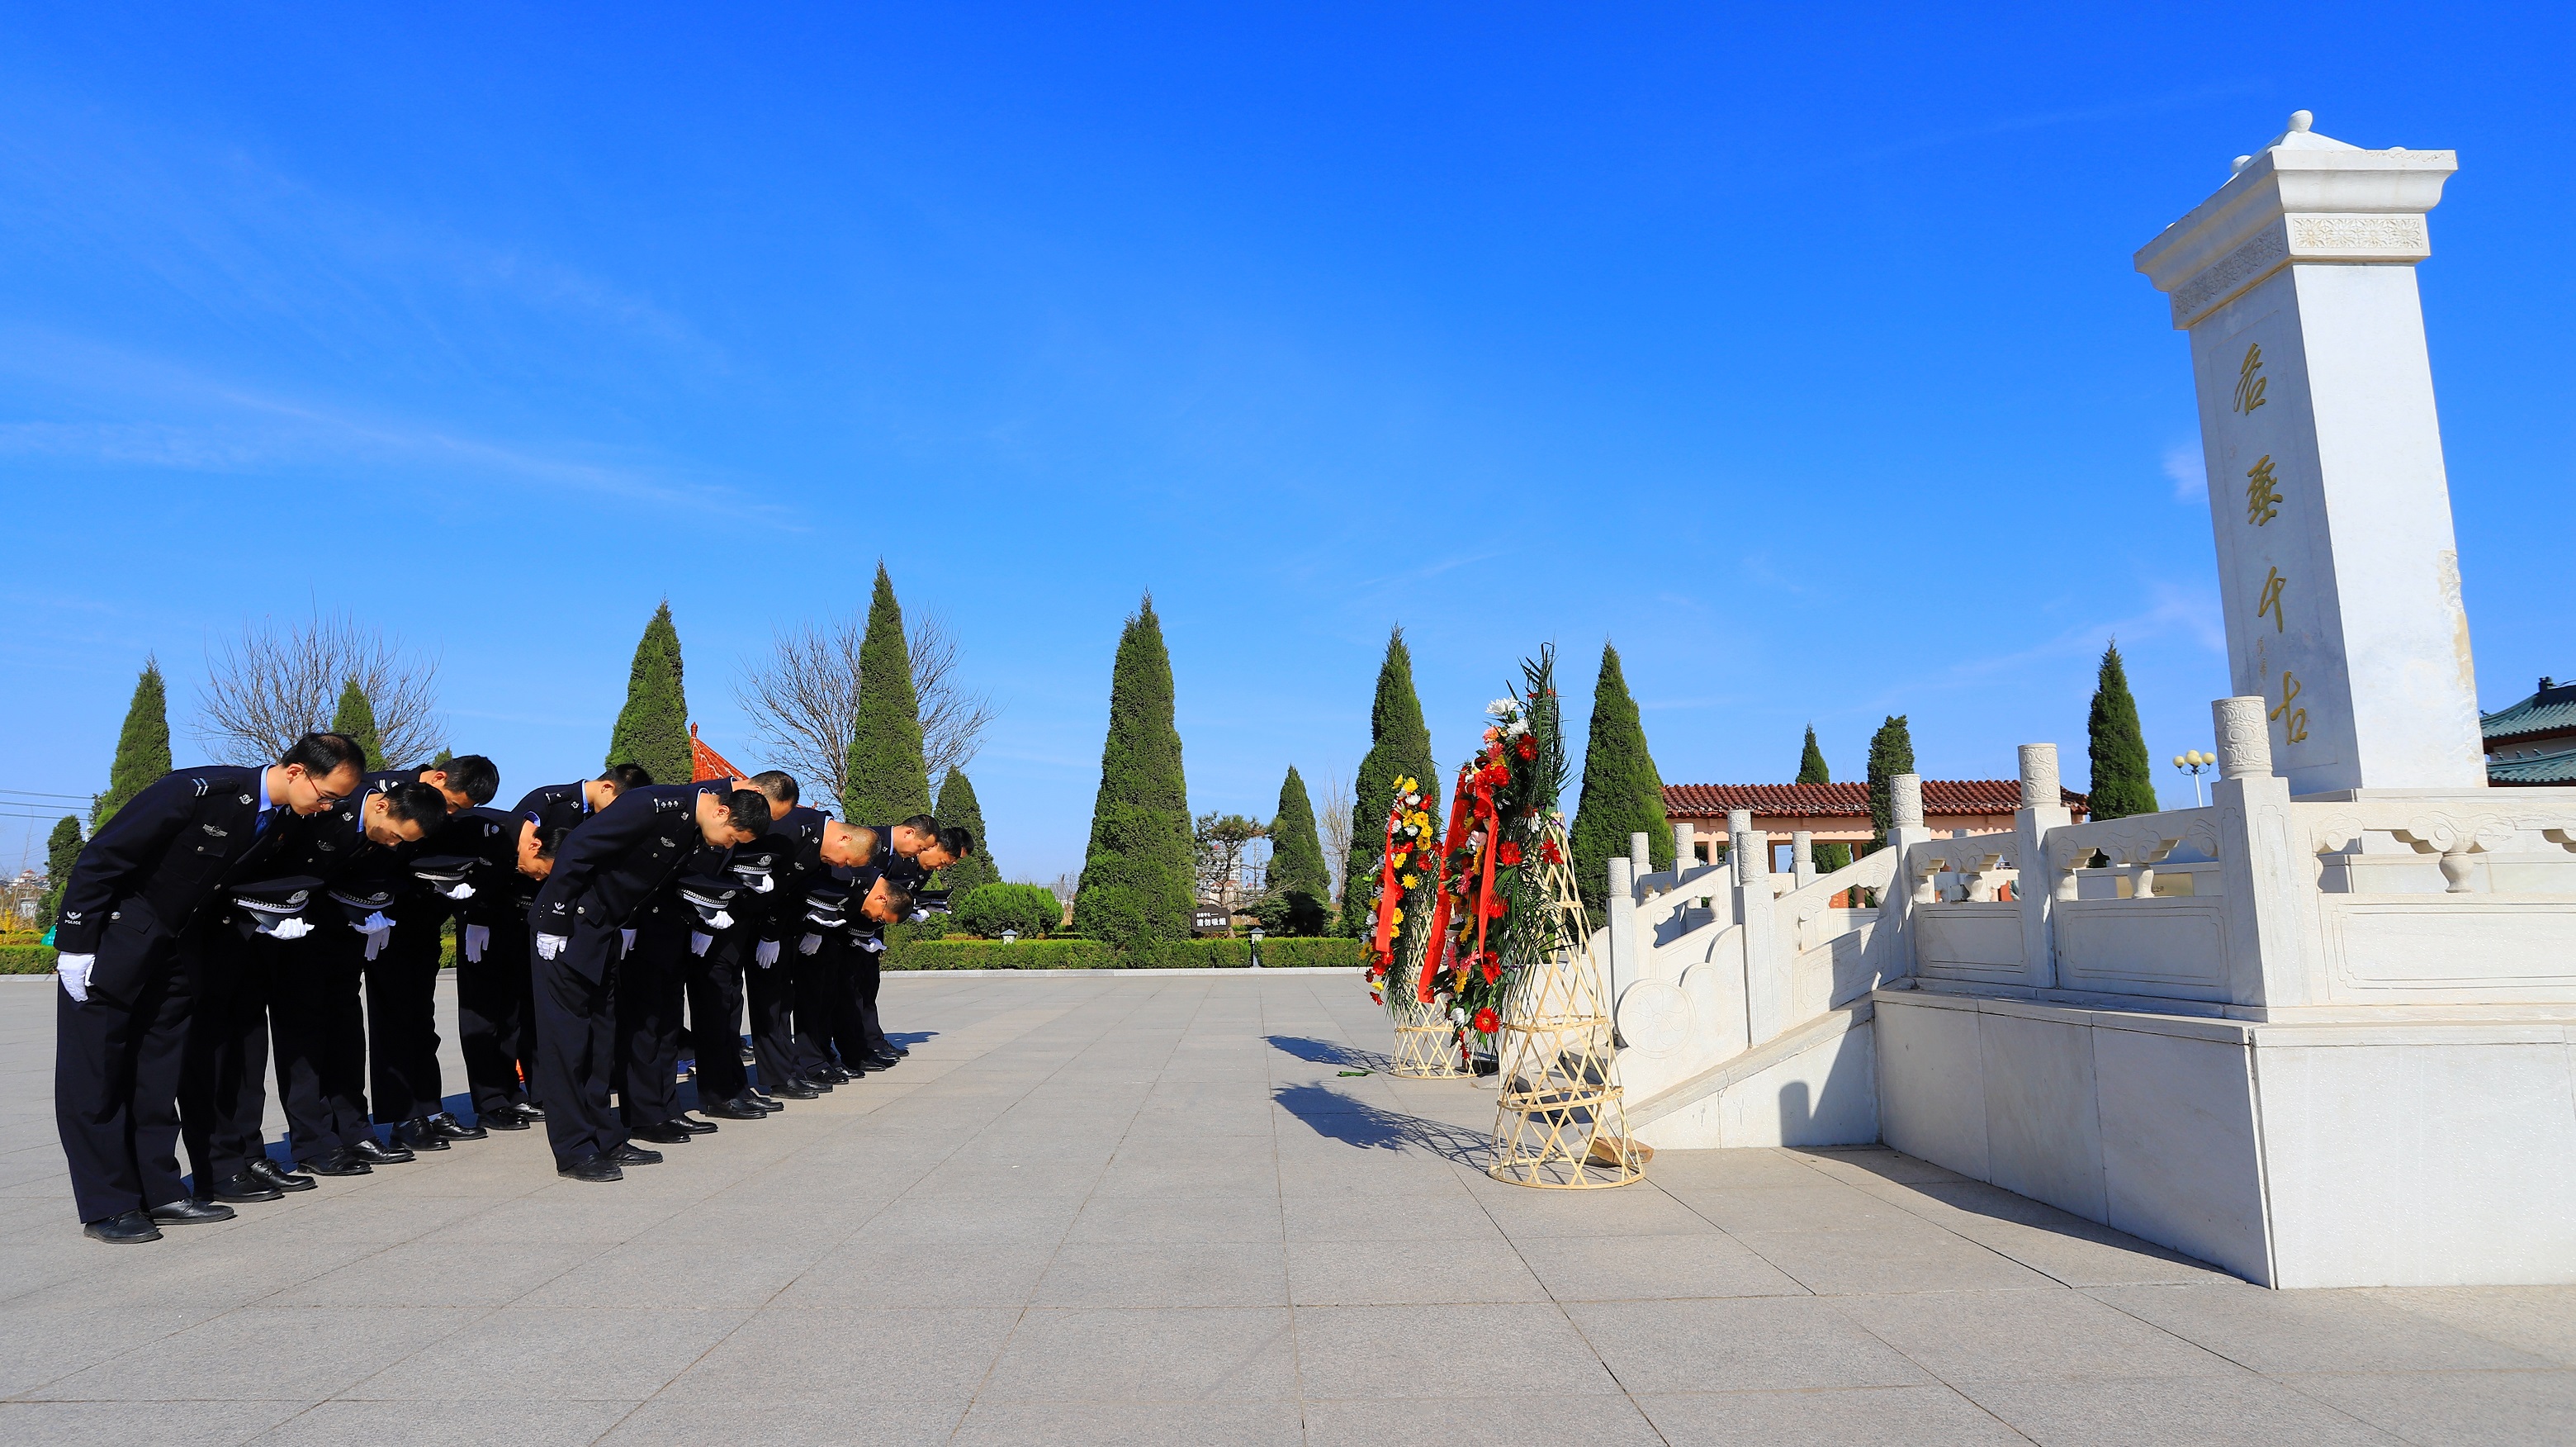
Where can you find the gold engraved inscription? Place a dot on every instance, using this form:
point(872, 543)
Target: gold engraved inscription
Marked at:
point(2293, 721)
point(2271, 599)
point(2262, 495)
point(2250, 380)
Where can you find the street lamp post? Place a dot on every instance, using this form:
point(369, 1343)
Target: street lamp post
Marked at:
point(1256, 946)
point(1010, 936)
point(2192, 763)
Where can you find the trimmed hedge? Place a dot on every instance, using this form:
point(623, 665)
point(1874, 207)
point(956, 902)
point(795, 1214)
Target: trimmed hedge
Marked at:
point(1084, 954)
point(26, 959)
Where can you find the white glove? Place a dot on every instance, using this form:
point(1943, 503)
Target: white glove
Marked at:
point(626, 938)
point(722, 920)
point(459, 890)
point(373, 924)
point(74, 970)
point(549, 946)
point(765, 953)
point(809, 944)
point(293, 927)
point(698, 942)
point(872, 944)
point(920, 915)
point(376, 942)
point(478, 938)
point(762, 885)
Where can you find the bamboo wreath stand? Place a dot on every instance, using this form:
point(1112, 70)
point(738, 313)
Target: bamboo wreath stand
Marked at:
point(1560, 1124)
point(1426, 1039)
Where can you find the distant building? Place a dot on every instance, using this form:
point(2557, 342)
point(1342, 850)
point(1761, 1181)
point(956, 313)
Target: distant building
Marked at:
point(2533, 742)
point(1839, 813)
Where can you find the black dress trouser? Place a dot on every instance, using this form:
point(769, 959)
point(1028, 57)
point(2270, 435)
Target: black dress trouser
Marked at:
point(816, 976)
point(866, 966)
point(714, 982)
point(648, 1018)
point(232, 1018)
point(494, 1028)
point(402, 1015)
point(771, 992)
point(321, 1032)
point(117, 1065)
point(577, 1055)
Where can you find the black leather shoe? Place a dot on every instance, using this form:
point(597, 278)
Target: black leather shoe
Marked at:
point(631, 1154)
point(829, 1076)
point(528, 1110)
point(738, 1108)
point(799, 1090)
point(189, 1211)
point(132, 1228)
point(693, 1127)
point(417, 1134)
point(663, 1134)
point(506, 1118)
point(897, 1049)
point(591, 1168)
point(884, 1061)
point(457, 1130)
point(377, 1153)
point(279, 1176)
point(338, 1163)
point(246, 1187)
point(765, 1102)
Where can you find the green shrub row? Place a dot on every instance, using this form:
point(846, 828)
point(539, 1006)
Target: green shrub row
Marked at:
point(1086, 954)
point(26, 959)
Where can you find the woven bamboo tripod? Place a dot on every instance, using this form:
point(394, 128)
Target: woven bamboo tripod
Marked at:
point(1560, 1124)
point(1426, 1039)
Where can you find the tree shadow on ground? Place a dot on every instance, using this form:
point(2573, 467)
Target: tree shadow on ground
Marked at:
point(1339, 1117)
point(1326, 1052)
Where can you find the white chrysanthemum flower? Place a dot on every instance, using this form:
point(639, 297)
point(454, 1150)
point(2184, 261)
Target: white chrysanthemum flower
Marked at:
point(1459, 1015)
point(1500, 708)
point(1516, 728)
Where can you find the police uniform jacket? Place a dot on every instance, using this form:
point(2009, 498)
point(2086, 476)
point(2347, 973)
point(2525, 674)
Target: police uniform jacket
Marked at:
point(556, 806)
point(798, 838)
point(489, 837)
point(153, 867)
point(610, 867)
point(333, 847)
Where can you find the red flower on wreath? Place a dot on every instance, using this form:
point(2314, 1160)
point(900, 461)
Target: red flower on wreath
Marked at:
point(1528, 748)
point(1493, 967)
point(1495, 905)
point(1487, 1022)
point(1548, 851)
point(1509, 854)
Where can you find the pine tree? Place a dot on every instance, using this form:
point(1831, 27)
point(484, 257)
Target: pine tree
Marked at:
point(1298, 878)
point(1812, 770)
point(1891, 752)
point(62, 851)
point(1139, 875)
point(2123, 780)
point(1622, 792)
point(355, 720)
point(888, 779)
point(653, 728)
point(957, 806)
point(1399, 747)
point(142, 746)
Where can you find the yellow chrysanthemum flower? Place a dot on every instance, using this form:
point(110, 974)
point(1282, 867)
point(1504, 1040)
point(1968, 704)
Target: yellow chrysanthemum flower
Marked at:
point(1412, 881)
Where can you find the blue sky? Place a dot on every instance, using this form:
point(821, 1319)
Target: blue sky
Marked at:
point(1800, 354)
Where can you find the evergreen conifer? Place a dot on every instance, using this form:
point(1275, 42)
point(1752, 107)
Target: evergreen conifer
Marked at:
point(2123, 780)
point(1139, 872)
point(1891, 752)
point(142, 746)
point(1298, 878)
point(653, 728)
point(356, 720)
point(957, 806)
point(1812, 770)
point(1399, 747)
point(1622, 792)
point(888, 779)
point(62, 850)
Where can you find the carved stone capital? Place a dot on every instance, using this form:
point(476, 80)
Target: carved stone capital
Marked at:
point(2039, 789)
point(2244, 740)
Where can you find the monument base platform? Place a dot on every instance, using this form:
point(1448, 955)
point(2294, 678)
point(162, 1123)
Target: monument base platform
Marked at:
point(2389, 1153)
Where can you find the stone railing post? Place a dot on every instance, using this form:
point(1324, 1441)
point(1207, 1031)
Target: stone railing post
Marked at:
point(1894, 943)
point(1802, 856)
point(1627, 957)
point(1641, 855)
point(1685, 849)
point(2270, 881)
point(2043, 807)
point(1766, 964)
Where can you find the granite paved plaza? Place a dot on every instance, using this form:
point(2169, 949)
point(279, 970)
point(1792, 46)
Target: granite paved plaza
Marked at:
point(1151, 1209)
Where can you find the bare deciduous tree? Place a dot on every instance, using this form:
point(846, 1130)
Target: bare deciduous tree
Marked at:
point(1337, 828)
point(273, 685)
point(804, 699)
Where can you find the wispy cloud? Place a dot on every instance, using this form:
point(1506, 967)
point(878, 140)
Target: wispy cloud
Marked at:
point(2050, 120)
point(2190, 478)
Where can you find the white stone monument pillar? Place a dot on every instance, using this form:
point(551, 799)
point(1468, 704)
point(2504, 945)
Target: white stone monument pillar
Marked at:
point(1905, 828)
point(2336, 561)
point(1766, 966)
point(2043, 807)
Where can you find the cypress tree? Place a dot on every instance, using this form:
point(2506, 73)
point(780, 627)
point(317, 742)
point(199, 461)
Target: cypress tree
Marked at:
point(1812, 770)
point(888, 779)
point(653, 728)
point(2123, 781)
point(356, 718)
point(1399, 746)
point(1298, 878)
point(1622, 792)
point(142, 746)
point(62, 850)
point(957, 806)
point(1139, 875)
point(1891, 752)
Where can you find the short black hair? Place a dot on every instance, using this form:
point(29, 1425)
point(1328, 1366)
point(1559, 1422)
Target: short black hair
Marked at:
point(552, 840)
point(627, 776)
point(778, 784)
point(749, 810)
point(921, 824)
point(323, 755)
point(472, 775)
point(896, 895)
point(417, 803)
point(956, 841)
